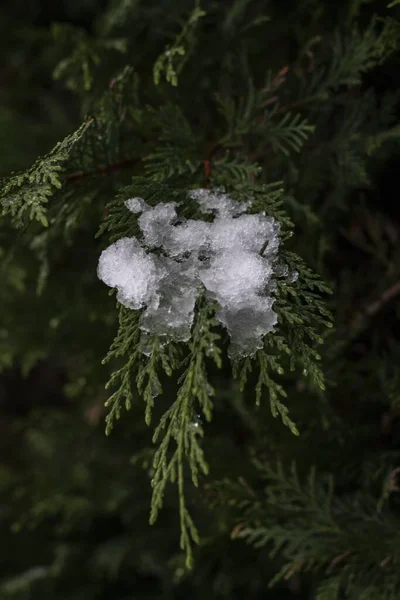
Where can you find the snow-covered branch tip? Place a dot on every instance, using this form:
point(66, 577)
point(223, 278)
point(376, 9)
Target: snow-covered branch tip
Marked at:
point(233, 259)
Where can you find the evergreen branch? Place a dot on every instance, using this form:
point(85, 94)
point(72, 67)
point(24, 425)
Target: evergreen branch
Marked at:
point(269, 198)
point(269, 363)
point(120, 222)
point(125, 344)
point(143, 357)
point(147, 380)
point(233, 171)
point(176, 151)
point(301, 313)
point(354, 54)
point(180, 426)
point(289, 133)
point(169, 63)
point(252, 120)
point(307, 522)
point(310, 527)
point(85, 54)
point(30, 191)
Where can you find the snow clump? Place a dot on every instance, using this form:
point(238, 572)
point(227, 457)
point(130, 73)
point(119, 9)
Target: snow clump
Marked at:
point(232, 259)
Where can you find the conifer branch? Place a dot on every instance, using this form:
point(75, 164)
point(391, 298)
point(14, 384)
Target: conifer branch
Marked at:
point(316, 128)
point(181, 425)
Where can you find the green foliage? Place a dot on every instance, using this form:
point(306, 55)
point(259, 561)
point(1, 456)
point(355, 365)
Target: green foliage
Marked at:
point(296, 111)
point(28, 192)
point(173, 59)
point(84, 56)
point(181, 427)
point(284, 133)
point(176, 152)
point(313, 529)
point(353, 54)
point(287, 134)
point(301, 312)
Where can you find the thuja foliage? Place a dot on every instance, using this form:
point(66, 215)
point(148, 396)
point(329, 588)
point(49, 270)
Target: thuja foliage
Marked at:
point(277, 106)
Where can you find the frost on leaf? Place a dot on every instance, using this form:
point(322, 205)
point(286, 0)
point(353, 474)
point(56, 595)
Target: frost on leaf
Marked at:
point(231, 259)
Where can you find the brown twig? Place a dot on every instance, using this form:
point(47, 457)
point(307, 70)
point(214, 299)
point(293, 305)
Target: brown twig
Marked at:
point(103, 170)
point(350, 332)
point(207, 168)
point(236, 530)
point(338, 559)
point(388, 295)
point(358, 323)
point(385, 561)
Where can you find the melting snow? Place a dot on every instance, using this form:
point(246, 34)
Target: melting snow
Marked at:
point(232, 258)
